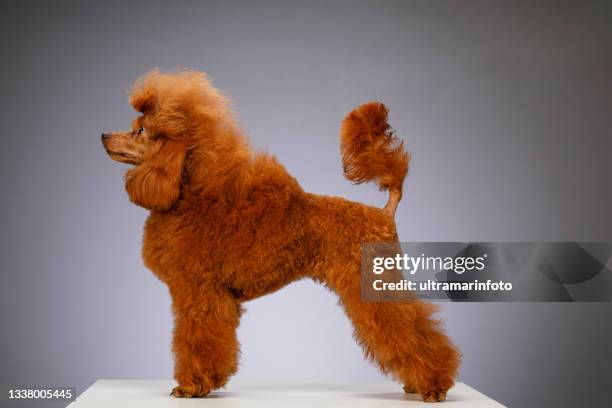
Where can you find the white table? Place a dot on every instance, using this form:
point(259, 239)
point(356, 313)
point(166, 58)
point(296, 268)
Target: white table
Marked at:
point(238, 394)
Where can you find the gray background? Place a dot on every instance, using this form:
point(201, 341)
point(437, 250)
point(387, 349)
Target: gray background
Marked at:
point(506, 107)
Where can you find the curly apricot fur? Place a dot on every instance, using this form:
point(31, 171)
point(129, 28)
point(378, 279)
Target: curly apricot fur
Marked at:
point(228, 225)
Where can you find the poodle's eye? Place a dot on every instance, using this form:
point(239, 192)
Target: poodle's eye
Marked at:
point(140, 131)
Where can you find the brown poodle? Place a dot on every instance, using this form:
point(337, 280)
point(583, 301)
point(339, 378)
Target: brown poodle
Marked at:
point(228, 225)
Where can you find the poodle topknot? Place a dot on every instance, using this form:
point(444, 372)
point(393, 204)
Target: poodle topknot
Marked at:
point(228, 225)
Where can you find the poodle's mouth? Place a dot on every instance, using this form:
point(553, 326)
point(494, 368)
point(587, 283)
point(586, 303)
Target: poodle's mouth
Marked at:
point(123, 157)
point(124, 147)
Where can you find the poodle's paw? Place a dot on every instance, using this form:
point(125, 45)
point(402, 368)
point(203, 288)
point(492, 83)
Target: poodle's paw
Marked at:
point(409, 389)
point(434, 396)
point(189, 391)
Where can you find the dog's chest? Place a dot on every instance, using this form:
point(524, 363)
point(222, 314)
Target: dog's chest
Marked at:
point(186, 243)
point(168, 244)
point(211, 237)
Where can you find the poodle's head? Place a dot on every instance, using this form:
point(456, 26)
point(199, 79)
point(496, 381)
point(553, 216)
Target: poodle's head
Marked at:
point(177, 111)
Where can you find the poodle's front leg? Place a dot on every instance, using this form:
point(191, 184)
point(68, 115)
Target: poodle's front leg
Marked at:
point(205, 345)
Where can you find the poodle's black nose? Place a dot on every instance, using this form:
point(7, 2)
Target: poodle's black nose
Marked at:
point(105, 135)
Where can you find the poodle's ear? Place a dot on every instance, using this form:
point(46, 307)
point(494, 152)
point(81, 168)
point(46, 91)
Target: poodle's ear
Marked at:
point(156, 183)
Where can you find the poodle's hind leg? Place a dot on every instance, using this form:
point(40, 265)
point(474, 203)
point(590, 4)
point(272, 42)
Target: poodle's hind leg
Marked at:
point(401, 337)
point(205, 344)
